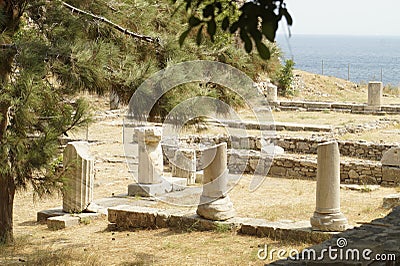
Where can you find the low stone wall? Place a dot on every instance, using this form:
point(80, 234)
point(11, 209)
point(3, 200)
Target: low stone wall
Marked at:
point(129, 217)
point(300, 145)
point(278, 126)
point(357, 149)
point(304, 167)
point(334, 106)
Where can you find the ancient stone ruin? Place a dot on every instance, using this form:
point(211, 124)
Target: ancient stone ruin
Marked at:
point(184, 165)
point(327, 215)
point(79, 176)
point(391, 165)
point(150, 179)
point(374, 95)
point(215, 204)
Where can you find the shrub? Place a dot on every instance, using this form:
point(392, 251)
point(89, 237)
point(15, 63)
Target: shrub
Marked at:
point(285, 79)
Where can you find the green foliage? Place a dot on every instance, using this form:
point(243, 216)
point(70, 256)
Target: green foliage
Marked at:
point(222, 228)
point(285, 79)
point(254, 21)
point(60, 53)
point(85, 220)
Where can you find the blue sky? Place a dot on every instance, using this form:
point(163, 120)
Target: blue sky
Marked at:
point(345, 17)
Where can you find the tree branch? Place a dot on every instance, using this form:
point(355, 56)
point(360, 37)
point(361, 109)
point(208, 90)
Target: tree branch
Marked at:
point(5, 46)
point(114, 25)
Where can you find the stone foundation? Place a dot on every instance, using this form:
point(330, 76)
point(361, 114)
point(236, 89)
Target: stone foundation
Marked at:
point(357, 149)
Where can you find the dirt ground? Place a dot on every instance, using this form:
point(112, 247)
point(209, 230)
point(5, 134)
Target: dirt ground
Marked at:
point(93, 244)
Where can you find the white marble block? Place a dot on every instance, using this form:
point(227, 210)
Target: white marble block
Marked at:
point(150, 155)
point(150, 180)
point(79, 176)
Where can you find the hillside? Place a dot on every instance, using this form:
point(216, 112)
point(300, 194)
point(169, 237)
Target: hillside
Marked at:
point(315, 87)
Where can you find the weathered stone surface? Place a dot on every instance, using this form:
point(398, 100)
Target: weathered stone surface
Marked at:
point(214, 203)
point(391, 174)
point(278, 150)
point(391, 157)
point(278, 171)
point(42, 216)
point(79, 176)
point(94, 208)
point(353, 174)
point(126, 216)
point(61, 222)
point(374, 94)
point(305, 145)
point(167, 185)
point(327, 215)
point(337, 107)
point(272, 93)
point(150, 155)
point(218, 210)
point(184, 165)
point(391, 201)
point(269, 90)
point(329, 222)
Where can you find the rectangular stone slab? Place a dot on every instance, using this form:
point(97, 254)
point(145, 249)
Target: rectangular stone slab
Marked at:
point(61, 222)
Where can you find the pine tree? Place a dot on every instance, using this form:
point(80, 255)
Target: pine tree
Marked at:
point(50, 51)
point(45, 58)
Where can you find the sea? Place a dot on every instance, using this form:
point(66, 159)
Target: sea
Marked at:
point(356, 58)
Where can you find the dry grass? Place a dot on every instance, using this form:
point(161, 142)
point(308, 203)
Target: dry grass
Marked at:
point(327, 118)
point(293, 199)
point(93, 244)
point(325, 88)
point(387, 135)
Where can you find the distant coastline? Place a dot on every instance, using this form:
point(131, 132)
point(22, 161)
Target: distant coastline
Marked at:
point(360, 58)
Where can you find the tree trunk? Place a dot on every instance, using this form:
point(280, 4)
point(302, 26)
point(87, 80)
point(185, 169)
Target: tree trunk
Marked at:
point(7, 192)
point(11, 12)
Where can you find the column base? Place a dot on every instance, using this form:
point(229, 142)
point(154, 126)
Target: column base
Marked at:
point(219, 209)
point(329, 222)
point(169, 184)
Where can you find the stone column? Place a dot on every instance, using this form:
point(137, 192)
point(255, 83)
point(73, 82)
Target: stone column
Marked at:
point(79, 176)
point(374, 95)
point(272, 93)
point(151, 163)
point(150, 155)
point(327, 215)
point(214, 202)
point(184, 165)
